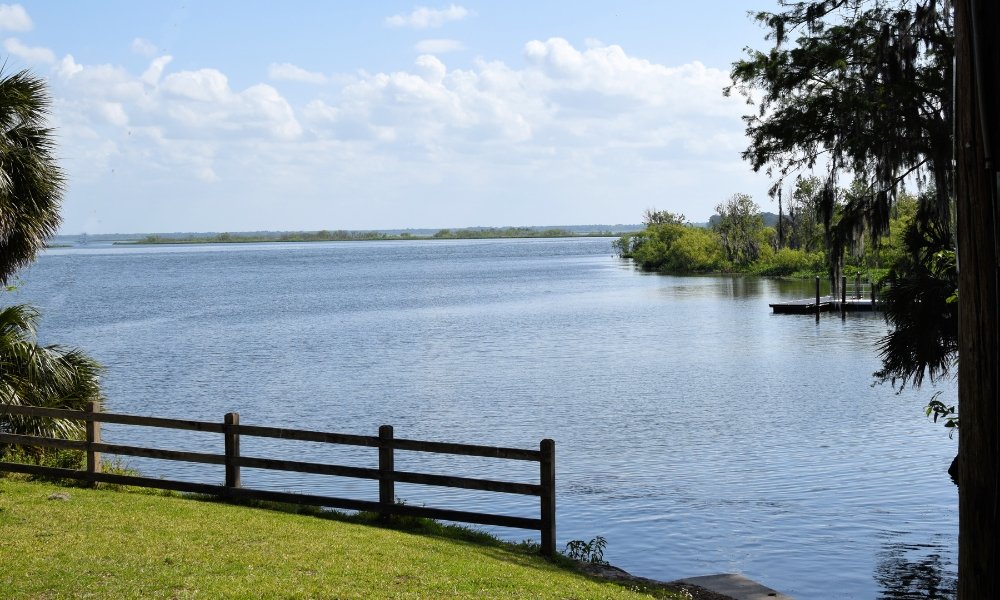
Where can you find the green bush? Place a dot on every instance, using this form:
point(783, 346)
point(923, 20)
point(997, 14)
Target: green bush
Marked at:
point(673, 248)
point(44, 457)
point(787, 261)
point(695, 250)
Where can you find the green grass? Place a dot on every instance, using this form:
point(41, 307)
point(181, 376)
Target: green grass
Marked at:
point(128, 544)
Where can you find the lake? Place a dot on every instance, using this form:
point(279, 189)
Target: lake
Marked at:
point(695, 431)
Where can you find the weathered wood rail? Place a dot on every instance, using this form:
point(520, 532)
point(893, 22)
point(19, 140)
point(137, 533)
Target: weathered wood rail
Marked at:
point(232, 460)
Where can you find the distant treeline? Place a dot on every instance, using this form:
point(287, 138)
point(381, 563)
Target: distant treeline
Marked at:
point(513, 232)
point(237, 238)
point(341, 235)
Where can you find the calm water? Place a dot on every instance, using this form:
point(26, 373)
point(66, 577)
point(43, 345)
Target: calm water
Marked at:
point(695, 431)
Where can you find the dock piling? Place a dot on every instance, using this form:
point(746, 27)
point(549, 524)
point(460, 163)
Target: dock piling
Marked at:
point(817, 299)
point(843, 297)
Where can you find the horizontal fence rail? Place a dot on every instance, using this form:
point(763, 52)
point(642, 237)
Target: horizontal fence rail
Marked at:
point(232, 460)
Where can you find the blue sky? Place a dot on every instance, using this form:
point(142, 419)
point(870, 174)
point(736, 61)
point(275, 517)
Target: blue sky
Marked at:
point(233, 116)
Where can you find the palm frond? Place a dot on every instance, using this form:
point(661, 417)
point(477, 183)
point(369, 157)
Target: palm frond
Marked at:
point(31, 183)
point(46, 376)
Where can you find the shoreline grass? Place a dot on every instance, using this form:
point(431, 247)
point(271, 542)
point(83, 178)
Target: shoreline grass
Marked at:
point(129, 544)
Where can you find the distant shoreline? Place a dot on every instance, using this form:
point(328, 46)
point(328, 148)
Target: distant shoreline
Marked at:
point(355, 236)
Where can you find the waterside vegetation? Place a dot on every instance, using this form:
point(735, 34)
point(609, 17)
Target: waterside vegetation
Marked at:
point(738, 241)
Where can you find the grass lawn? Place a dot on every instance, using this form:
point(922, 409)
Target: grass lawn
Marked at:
point(128, 544)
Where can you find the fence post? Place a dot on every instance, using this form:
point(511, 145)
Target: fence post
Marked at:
point(93, 437)
point(548, 481)
point(386, 466)
point(231, 432)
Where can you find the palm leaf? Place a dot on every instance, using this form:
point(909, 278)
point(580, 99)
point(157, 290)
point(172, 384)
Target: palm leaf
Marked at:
point(31, 183)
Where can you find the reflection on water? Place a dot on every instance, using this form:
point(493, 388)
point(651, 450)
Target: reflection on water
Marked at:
point(907, 571)
point(743, 287)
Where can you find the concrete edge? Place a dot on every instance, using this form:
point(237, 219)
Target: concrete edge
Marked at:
point(735, 586)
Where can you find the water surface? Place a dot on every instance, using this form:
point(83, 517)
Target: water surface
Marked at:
point(695, 431)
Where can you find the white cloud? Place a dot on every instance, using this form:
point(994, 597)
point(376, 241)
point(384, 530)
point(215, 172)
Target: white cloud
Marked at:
point(13, 17)
point(203, 104)
point(151, 76)
point(68, 67)
point(317, 110)
point(113, 113)
point(587, 122)
point(203, 85)
point(162, 124)
point(144, 47)
point(595, 100)
point(439, 46)
point(31, 54)
point(92, 83)
point(423, 17)
point(431, 68)
point(206, 174)
point(606, 73)
point(264, 102)
point(599, 98)
point(290, 72)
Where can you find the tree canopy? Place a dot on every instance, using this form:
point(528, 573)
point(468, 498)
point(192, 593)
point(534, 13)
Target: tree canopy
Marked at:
point(857, 87)
point(30, 195)
point(31, 182)
point(863, 89)
point(740, 227)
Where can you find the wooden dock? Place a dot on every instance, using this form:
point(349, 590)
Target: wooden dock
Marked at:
point(807, 306)
point(857, 302)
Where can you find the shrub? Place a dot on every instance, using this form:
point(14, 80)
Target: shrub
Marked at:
point(591, 552)
point(788, 261)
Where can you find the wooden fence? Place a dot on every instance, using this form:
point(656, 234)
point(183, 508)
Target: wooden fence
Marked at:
point(231, 430)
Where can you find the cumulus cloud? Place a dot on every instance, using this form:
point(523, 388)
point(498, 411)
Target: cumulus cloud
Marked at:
point(151, 76)
point(431, 68)
point(36, 54)
point(609, 72)
point(162, 123)
point(113, 113)
point(558, 123)
point(203, 103)
point(275, 114)
point(144, 47)
point(593, 100)
point(182, 104)
point(68, 67)
point(290, 72)
point(320, 111)
point(13, 17)
point(439, 46)
point(203, 85)
point(424, 18)
point(564, 96)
